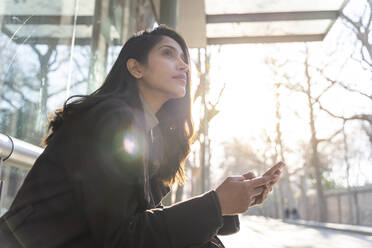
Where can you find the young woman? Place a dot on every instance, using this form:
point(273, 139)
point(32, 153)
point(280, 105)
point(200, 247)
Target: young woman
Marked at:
point(111, 156)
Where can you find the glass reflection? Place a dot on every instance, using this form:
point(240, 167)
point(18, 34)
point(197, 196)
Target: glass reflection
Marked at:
point(51, 50)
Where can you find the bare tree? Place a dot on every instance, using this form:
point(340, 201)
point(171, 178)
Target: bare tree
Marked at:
point(285, 189)
point(364, 117)
point(312, 103)
point(20, 85)
point(209, 112)
point(361, 27)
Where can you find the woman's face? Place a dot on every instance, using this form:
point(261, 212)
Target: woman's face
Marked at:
point(165, 72)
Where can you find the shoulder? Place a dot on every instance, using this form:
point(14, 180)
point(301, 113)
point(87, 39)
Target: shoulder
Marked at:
point(109, 111)
point(115, 137)
point(110, 117)
point(110, 105)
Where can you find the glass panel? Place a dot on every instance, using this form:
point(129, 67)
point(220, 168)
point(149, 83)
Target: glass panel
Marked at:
point(50, 31)
point(13, 177)
point(51, 50)
point(47, 8)
point(260, 6)
point(267, 28)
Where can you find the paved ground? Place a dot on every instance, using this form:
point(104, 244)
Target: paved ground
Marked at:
point(259, 232)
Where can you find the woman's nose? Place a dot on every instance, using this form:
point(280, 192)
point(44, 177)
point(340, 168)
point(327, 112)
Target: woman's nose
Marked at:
point(182, 65)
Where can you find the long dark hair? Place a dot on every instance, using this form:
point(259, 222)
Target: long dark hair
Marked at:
point(175, 119)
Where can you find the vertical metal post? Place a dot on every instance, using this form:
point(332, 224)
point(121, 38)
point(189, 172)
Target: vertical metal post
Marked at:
point(205, 167)
point(208, 167)
point(1, 184)
point(357, 218)
point(169, 13)
point(339, 207)
point(204, 144)
point(100, 39)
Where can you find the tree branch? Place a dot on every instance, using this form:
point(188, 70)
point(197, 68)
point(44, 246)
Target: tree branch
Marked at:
point(325, 90)
point(295, 87)
point(18, 91)
point(219, 97)
point(361, 117)
point(333, 82)
point(33, 46)
point(370, 16)
point(330, 137)
point(64, 89)
point(9, 102)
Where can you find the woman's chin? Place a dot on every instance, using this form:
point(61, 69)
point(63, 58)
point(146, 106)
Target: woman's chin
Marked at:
point(178, 93)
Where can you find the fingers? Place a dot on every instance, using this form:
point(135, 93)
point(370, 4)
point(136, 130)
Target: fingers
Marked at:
point(257, 191)
point(256, 194)
point(258, 200)
point(270, 188)
point(261, 198)
point(264, 196)
point(275, 180)
point(259, 181)
point(249, 175)
point(235, 178)
point(277, 173)
point(262, 187)
point(275, 168)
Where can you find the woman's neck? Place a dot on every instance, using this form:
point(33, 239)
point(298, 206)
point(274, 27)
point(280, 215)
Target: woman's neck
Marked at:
point(153, 99)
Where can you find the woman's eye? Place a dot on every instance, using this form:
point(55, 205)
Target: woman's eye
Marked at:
point(168, 52)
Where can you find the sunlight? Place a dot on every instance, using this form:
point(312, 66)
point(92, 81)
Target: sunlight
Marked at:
point(247, 106)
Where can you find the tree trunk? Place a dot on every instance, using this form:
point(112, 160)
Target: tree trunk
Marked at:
point(286, 189)
point(314, 161)
point(304, 199)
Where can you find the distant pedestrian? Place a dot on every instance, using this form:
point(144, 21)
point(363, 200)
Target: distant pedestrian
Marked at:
point(295, 214)
point(287, 213)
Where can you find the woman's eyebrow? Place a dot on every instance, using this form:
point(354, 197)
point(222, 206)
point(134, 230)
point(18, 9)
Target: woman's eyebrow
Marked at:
point(173, 48)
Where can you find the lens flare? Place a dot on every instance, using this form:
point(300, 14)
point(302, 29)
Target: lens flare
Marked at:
point(130, 145)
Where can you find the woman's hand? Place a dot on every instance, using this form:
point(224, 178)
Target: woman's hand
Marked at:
point(236, 194)
point(268, 187)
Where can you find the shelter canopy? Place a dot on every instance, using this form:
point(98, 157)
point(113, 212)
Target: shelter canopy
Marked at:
point(261, 21)
point(241, 21)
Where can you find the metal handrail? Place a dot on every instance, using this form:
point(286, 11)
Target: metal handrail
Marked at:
point(24, 154)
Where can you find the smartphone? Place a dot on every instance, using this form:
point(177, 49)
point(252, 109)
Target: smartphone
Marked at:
point(269, 172)
point(273, 169)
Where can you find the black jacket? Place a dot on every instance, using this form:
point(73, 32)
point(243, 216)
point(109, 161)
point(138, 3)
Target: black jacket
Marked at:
point(90, 188)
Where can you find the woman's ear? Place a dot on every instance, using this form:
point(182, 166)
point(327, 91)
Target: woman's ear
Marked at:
point(134, 68)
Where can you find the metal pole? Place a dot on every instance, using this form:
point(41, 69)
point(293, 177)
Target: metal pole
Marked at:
point(100, 39)
point(24, 154)
point(169, 13)
point(205, 167)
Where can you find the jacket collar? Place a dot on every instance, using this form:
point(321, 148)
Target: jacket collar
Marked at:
point(140, 121)
point(150, 119)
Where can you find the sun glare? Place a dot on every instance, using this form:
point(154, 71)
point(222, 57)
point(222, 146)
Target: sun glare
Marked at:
point(129, 145)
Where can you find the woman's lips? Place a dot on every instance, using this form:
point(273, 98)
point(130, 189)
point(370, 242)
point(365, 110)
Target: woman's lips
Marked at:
point(181, 78)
